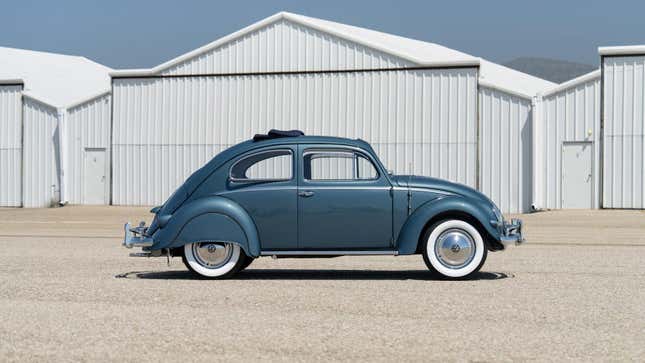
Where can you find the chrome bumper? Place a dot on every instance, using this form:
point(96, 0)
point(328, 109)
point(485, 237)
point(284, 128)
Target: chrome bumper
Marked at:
point(134, 236)
point(512, 233)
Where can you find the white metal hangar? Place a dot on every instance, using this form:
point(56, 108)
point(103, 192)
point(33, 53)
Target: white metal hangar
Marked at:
point(54, 128)
point(590, 136)
point(566, 134)
point(623, 127)
point(425, 108)
point(66, 136)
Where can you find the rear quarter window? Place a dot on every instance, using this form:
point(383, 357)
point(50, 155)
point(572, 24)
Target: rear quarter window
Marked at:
point(270, 165)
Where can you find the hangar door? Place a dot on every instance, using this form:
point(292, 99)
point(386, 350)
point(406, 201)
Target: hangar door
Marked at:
point(94, 178)
point(577, 175)
point(10, 145)
point(623, 141)
point(164, 127)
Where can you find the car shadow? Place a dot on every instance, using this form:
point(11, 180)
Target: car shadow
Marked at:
point(299, 274)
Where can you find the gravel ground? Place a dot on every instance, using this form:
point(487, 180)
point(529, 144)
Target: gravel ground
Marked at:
point(68, 292)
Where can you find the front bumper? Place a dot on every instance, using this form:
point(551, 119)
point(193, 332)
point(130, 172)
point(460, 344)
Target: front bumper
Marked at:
point(512, 233)
point(135, 236)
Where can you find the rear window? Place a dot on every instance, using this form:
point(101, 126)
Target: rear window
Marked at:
point(271, 165)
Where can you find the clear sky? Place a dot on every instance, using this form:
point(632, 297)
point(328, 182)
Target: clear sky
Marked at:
point(132, 34)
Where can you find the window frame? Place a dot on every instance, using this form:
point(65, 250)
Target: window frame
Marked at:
point(348, 150)
point(289, 152)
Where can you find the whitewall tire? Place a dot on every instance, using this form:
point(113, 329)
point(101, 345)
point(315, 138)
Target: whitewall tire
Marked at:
point(453, 248)
point(213, 259)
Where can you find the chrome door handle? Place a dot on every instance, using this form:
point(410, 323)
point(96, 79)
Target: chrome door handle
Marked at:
point(306, 193)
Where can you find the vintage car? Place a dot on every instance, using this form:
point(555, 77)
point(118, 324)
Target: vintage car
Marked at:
point(284, 194)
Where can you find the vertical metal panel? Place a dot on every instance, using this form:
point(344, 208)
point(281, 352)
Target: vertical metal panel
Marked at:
point(505, 149)
point(624, 137)
point(286, 46)
point(570, 114)
point(10, 145)
point(87, 126)
point(420, 121)
point(41, 154)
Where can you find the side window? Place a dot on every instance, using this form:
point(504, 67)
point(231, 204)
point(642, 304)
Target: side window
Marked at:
point(337, 165)
point(272, 165)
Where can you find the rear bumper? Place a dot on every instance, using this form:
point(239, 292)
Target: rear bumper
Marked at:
point(135, 236)
point(512, 233)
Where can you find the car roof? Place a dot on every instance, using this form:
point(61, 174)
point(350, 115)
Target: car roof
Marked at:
point(249, 145)
point(252, 144)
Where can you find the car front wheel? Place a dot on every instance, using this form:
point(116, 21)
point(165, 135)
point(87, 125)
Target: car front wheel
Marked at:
point(453, 248)
point(214, 259)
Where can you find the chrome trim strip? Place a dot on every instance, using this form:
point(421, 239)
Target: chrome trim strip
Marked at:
point(417, 189)
point(345, 186)
point(328, 252)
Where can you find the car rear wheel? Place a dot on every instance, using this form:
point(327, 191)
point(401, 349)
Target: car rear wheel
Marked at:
point(453, 249)
point(214, 259)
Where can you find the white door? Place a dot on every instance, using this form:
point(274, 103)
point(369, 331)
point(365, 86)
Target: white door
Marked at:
point(577, 175)
point(95, 178)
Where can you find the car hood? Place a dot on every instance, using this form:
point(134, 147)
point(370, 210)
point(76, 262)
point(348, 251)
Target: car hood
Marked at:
point(424, 182)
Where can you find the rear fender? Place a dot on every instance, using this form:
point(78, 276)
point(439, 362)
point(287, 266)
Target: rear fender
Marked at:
point(209, 219)
point(411, 231)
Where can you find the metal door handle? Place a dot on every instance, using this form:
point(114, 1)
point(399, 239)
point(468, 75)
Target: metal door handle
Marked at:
point(306, 193)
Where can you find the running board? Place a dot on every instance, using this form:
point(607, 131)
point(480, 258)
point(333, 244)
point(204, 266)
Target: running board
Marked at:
point(330, 253)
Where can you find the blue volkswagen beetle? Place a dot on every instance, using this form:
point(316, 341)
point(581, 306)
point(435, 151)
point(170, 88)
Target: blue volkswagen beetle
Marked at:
point(284, 194)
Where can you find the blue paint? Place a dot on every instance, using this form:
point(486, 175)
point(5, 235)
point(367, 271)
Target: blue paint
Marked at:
point(383, 212)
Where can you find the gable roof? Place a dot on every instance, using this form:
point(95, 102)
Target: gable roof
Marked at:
point(622, 50)
point(591, 76)
point(417, 52)
point(58, 80)
point(509, 80)
point(431, 54)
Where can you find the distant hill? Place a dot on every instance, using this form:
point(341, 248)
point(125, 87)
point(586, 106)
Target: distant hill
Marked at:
point(553, 70)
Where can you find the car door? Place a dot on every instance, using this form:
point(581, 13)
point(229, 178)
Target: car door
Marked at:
point(263, 182)
point(344, 201)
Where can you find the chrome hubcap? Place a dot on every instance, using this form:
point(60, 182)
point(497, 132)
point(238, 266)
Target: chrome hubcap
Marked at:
point(212, 255)
point(455, 248)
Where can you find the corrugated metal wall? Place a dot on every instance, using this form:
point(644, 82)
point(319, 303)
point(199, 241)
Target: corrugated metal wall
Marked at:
point(165, 128)
point(570, 114)
point(41, 154)
point(624, 138)
point(10, 145)
point(505, 149)
point(286, 46)
point(87, 126)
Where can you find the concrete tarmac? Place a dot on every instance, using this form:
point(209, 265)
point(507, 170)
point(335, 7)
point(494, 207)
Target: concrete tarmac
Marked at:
point(69, 292)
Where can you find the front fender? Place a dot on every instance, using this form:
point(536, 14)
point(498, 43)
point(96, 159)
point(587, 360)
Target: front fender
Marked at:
point(212, 218)
point(413, 227)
